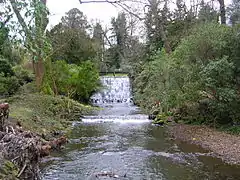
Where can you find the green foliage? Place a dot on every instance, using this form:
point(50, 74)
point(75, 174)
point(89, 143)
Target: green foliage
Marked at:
point(77, 82)
point(206, 42)
point(4, 42)
point(154, 25)
point(86, 81)
point(235, 129)
point(44, 114)
point(160, 119)
point(178, 30)
point(70, 40)
point(9, 83)
point(116, 53)
point(8, 170)
point(218, 79)
point(151, 82)
point(73, 46)
point(5, 68)
point(112, 58)
point(234, 12)
point(199, 79)
point(24, 76)
point(207, 13)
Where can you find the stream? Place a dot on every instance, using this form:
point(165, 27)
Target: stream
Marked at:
point(121, 140)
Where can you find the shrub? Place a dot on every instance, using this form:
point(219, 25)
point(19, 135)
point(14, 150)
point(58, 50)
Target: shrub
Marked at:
point(8, 85)
point(24, 76)
point(77, 82)
point(5, 68)
point(200, 78)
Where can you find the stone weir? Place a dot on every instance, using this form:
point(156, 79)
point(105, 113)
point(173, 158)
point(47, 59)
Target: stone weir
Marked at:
point(115, 99)
point(116, 90)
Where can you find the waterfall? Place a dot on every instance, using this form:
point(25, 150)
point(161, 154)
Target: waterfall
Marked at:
point(116, 103)
point(115, 90)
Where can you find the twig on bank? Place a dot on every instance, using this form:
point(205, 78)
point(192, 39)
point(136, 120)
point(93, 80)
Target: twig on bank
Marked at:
point(24, 167)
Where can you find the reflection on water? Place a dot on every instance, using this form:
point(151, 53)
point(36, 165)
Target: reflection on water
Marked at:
point(141, 151)
point(121, 140)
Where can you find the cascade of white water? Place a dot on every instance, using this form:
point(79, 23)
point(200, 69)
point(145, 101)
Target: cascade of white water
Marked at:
point(116, 102)
point(116, 90)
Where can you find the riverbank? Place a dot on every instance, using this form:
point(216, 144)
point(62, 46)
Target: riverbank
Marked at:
point(45, 114)
point(37, 125)
point(223, 145)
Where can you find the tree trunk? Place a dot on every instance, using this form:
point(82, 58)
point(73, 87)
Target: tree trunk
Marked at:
point(222, 11)
point(38, 66)
point(39, 72)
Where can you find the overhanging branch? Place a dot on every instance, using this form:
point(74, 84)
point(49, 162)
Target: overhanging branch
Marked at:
point(114, 3)
point(97, 1)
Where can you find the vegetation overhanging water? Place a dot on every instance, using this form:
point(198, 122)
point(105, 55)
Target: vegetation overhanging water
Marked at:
point(121, 140)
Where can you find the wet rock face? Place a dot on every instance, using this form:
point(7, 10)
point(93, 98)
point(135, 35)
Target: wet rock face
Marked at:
point(116, 90)
point(152, 116)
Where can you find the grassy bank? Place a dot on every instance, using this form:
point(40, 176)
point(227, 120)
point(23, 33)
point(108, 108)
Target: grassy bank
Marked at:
point(44, 114)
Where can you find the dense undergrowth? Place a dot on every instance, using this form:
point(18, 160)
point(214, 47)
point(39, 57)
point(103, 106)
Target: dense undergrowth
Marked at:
point(44, 114)
point(199, 81)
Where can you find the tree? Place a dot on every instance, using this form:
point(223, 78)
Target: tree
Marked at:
point(222, 11)
point(75, 19)
point(70, 40)
point(120, 34)
point(3, 38)
point(98, 43)
point(207, 13)
point(181, 11)
point(78, 82)
point(156, 21)
point(234, 12)
point(34, 33)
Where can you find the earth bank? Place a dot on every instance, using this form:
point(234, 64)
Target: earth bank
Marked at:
point(38, 124)
point(223, 145)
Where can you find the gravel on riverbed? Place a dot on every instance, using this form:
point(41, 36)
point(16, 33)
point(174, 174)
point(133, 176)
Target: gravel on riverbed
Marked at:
point(225, 146)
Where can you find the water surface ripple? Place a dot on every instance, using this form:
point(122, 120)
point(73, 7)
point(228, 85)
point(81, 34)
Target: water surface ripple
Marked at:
point(121, 140)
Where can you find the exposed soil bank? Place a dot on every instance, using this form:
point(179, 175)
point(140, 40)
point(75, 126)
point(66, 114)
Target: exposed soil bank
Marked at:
point(224, 145)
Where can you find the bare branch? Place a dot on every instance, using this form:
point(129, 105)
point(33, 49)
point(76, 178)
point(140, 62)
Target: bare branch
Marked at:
point(20, 18)
point(126, 8)
point(97, 1)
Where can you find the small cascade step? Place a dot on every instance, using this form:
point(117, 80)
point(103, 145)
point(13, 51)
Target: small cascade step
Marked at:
point(116, 90)
point(116, 103)
point(117, 119)
point(126, 117)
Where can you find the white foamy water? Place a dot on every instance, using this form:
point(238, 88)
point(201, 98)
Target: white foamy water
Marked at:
point(116, 90)
point(116, 120)
point(116, 103)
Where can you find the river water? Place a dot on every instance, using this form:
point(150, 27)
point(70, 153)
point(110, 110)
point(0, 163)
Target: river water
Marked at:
point(120, 140)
